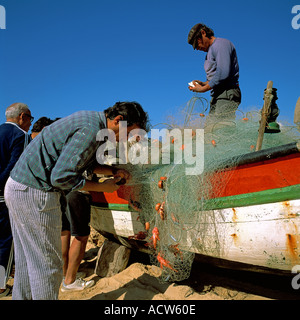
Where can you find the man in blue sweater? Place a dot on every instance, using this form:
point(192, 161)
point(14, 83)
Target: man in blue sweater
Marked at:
point(222, 72)
point(13, 140)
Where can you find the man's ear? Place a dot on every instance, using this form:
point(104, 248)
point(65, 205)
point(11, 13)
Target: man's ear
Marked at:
point(22, 118)
point(117, 119)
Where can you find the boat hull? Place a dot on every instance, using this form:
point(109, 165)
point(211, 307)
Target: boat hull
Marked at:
point(263, 236)
point(254, 220)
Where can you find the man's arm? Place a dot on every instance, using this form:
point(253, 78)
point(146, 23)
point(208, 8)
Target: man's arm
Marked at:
point(108, 185)
point(73, 160)
point(200, 86)
point(112, 171)
point(223, 56)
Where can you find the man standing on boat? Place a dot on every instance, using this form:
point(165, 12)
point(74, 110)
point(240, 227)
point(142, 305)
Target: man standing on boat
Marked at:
point(222, 72)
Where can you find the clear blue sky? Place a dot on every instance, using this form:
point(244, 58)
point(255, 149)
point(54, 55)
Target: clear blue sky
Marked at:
point(61, 56)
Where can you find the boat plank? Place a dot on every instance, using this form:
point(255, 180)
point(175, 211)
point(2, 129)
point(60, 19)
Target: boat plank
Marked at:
point(264, 235)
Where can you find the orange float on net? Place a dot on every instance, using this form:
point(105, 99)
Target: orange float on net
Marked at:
point(157, 206)
point(160, 184)
point(213, 142)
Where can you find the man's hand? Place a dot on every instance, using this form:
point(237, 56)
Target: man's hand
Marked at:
point(104, 185)
point(124, 174)
point(110, 185)
point(112, 171)
point(200, 86)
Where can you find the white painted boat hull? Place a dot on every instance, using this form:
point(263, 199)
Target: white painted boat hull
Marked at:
point(265, 235)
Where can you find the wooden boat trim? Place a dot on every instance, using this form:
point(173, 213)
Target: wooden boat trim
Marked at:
point(262, 155)
point(254, 198)
point(241, 200)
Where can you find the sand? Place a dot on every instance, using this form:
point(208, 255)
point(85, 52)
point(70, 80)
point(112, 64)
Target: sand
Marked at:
point(139, 281)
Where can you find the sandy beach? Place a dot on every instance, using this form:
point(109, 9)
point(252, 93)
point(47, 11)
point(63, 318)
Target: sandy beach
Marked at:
point(139, 281)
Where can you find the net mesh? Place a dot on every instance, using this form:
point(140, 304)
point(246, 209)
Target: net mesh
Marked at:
point(169, 201)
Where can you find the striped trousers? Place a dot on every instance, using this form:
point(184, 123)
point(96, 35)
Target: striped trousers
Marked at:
point(6, 245)
point(35, 217)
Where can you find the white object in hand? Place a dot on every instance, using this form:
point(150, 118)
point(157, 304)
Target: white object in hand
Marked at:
point(191, 84)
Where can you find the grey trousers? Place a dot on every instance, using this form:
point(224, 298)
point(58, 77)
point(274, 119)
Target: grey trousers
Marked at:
point(224, 105)
point(35, 218)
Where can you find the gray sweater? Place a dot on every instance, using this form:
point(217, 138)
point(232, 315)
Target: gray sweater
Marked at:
point(221, 66)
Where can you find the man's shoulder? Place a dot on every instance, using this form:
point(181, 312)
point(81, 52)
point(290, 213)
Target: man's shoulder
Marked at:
point(83, 115)
point(86, 117)
point(222, 45)
point(10, 129)
point(223, 41)
point(83, 112)
point(90, 121)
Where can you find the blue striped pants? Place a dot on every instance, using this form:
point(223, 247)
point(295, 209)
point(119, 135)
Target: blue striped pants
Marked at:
point(35, 217)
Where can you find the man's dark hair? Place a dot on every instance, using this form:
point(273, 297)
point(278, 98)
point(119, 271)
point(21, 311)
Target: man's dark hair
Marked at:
point(209, 32)
point(132, 112)
point(195, 33)
point(41, 123)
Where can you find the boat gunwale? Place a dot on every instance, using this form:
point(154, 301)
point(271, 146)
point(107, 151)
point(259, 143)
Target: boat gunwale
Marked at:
point(259, 156)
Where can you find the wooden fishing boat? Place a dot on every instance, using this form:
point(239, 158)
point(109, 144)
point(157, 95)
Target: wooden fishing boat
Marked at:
point(253, 223)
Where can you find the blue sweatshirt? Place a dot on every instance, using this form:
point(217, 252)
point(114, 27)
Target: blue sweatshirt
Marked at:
point(13, 140)
point(221, 66)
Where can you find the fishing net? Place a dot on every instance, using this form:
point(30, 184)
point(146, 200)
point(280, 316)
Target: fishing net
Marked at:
point(173, 204)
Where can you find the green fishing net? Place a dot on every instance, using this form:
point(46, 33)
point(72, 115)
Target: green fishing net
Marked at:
point(173, 204)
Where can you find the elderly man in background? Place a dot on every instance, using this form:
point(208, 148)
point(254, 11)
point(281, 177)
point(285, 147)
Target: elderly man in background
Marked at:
point(13, 140)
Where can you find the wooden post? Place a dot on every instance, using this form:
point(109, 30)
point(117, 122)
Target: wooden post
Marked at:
point(264, 115)
point(112, 258)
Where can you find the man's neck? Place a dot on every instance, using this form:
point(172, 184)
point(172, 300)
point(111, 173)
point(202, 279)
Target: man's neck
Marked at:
point(13, 121)
point(212, 40)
